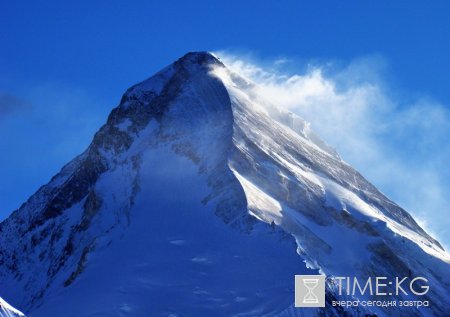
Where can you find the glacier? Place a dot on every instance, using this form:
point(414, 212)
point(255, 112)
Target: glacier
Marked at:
point(198, 197)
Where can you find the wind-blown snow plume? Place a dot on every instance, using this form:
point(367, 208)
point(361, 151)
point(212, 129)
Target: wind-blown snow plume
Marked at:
point(384, 134)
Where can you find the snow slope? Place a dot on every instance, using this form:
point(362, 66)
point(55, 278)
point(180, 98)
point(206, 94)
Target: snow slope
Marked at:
point(7, 310)
point(199, 198)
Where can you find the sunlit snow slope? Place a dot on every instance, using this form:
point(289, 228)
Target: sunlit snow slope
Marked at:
point(199, 198)
point(7, 310)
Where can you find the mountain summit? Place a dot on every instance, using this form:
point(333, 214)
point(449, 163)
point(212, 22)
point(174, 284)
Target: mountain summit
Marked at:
point(200, 198)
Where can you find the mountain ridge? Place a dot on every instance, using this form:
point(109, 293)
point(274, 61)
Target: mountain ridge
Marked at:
point(198, 109)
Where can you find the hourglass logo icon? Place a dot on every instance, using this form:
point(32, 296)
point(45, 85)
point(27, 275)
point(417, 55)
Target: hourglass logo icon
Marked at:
point(309, 291)
point(310, 297)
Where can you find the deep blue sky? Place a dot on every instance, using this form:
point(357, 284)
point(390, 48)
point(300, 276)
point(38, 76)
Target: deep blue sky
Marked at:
point(64, 65)
point(106, 46)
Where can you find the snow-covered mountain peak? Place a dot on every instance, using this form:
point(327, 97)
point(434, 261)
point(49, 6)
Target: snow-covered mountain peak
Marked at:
point(188, 65)
point(201, 58)
point(193, 174)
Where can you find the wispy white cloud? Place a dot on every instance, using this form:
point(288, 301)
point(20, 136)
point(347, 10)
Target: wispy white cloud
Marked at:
point(399, 144)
